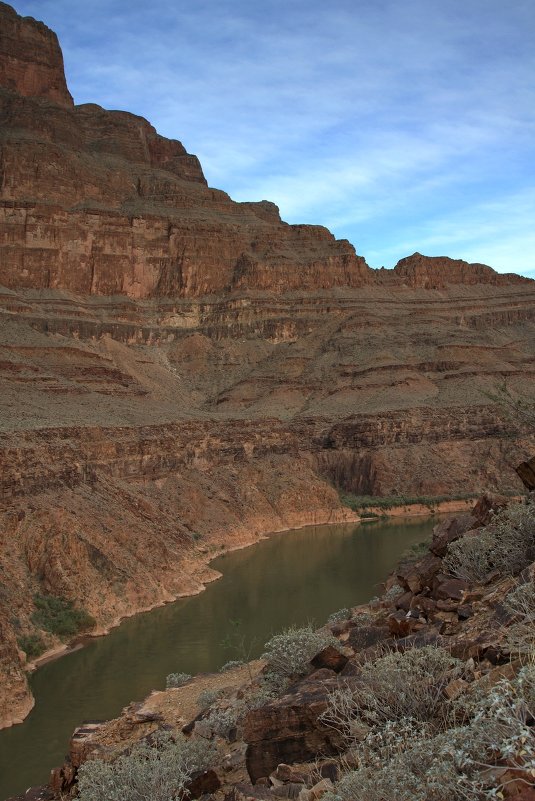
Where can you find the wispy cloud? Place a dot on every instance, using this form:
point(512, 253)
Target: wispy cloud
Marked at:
point(393, 123)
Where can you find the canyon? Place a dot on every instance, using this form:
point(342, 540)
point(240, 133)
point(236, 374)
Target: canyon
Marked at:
point(181, 373)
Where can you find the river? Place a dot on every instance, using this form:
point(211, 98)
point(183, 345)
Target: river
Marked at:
point(291, 578)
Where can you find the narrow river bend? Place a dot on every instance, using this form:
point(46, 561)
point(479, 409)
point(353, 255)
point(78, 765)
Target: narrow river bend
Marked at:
point(292, 578)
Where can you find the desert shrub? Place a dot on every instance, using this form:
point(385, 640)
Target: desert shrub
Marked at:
point(521, 601)
point(519, 637)
point(289, 653)
point(263, 690)
point(398, 685)
point(419, 770)
point(403, 759)
point(393, 593)
point(159, 771)
point(222, 721)
point(32, 644)
point(209, 697)
point(363, 502)
point(416, 551)
point(59, 616)
point(176, 680)
point(507, 544)
point(340, 616)
point(232, 664)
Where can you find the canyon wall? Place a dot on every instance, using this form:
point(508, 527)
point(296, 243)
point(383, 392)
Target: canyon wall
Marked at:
point(180, 373)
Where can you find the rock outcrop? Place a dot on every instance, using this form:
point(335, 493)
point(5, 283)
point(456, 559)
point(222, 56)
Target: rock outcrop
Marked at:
point(173, 363)
point(436, 272)
point(287, 747)
point(96, 202)
point(31, 62)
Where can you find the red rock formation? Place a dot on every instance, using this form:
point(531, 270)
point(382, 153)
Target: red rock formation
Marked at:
point(435, 272)
point(96, 202)
point(31, 62)
point(174, 362)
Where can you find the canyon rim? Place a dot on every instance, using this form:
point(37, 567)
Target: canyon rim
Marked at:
point(181, 373)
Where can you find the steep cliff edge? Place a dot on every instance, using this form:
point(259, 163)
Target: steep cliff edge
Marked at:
point(95, 201)
point(31, 62)
point(179, 372)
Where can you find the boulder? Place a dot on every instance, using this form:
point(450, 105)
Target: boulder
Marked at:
point(246, 792)
point(401, 624)
point(448, 531)
point(316, 792)
point(330, 657)
point(288, 729)
point(288, 773)
point(201, 783)
point(526, 473)
point(486, 507)
point(446, 587)
point(416, 576)
point(364, 636)
point(404, 601)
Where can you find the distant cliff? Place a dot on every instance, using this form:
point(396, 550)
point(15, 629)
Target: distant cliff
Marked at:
point(180, 373)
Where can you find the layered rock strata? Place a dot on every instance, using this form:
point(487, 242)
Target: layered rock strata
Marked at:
point(175, 365)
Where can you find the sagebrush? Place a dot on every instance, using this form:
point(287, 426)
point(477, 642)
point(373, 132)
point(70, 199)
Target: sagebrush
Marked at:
point(159, 771)
point(289, 653)
point(506, 545)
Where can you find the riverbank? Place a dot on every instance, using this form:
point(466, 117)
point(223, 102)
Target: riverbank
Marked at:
point(197, 567)
point(270, 749)
point(418, 509)
point(285, 580)
point(194, 573)
point(407, 510)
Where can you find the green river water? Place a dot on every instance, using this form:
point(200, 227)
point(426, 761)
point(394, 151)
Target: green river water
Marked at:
point(292, 578)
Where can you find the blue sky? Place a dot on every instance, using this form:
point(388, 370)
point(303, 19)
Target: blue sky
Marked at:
point(400, 125)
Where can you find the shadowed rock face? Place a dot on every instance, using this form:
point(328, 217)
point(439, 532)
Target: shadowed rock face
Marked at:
point(174, 362)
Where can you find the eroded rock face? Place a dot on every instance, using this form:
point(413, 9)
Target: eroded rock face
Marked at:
point(289, 730)
point(96, 202)
point(15, 699)
point(174, 363)
point(526, 472)
point(31, 62)
point(436, 272)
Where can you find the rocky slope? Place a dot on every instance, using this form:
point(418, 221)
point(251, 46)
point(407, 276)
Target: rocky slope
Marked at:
point(179, 371)
point(476, 634)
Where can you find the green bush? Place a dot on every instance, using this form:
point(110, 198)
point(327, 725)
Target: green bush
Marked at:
point(396, 686)
point(174, 680)
point(363, 502)
point(159, 771)
point(289, 653)
point(507, 545)
point(340, 616)
point(59, 616)
point(411, 760)
point(32, 644)
point(232, 664)
point(416, 551)
point(209, 697)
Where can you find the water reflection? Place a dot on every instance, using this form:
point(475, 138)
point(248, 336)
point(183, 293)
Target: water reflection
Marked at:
point(291, 578)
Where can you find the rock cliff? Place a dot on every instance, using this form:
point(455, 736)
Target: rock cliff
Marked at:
point(174, 364)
